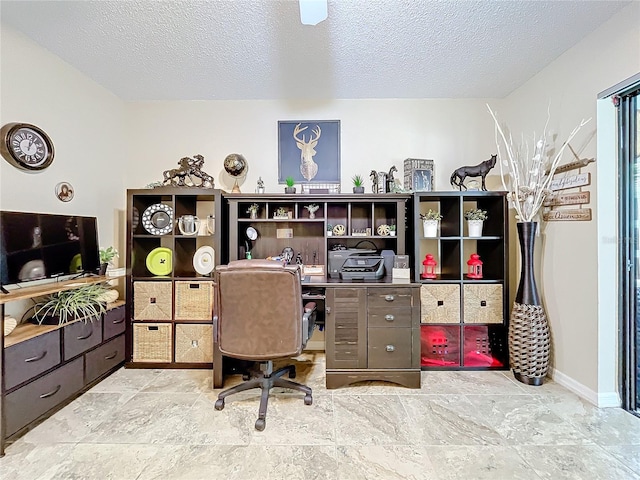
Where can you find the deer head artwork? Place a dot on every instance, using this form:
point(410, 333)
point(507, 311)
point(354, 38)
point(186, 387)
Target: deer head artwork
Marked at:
point(308, 168)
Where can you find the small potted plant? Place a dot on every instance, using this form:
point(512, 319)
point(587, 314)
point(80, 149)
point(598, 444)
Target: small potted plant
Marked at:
point(329, 230)
point(475, 219)
point(358, 184)
point(281, 213)
point(253, 211)
point(430, 221)
point(290, 182)
point(312, 210)
point(392, 230)
point(106, 258)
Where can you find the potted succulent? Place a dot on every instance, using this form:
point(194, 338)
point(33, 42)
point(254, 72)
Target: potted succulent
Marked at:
point(430, 221)
point(358, 184)
point(83, 303)
point(106, 258)
point(290, 182)
point(253, 211)
point(392, 230)
point(475, 219)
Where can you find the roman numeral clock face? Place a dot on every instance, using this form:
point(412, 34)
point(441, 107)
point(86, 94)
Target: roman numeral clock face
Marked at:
point(26, 146)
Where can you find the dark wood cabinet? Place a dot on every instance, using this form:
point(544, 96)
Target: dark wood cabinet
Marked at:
point(464, 319)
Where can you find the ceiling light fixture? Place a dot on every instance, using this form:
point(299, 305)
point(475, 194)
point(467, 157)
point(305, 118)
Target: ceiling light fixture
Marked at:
point(312, 12)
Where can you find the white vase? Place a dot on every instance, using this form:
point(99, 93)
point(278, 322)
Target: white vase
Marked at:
point(430, 228)
point(475, 228)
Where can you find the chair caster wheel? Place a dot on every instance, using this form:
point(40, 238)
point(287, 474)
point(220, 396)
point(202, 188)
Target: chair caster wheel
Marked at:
point(308, 399)
point(219, 404)
point(246, 377)
point(260, 424)
point(292, 373)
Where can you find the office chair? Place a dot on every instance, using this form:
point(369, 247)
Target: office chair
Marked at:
point(260, 317)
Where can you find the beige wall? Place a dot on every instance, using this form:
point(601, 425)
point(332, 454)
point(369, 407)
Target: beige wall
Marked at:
point(569, 250)
point(85, 123)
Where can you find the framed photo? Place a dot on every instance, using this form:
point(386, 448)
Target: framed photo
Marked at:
point(309, 151)
point(418, 175)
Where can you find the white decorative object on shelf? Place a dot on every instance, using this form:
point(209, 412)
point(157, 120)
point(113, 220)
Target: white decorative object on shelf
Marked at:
point(475, 227)
point(9, 324)
point(430, 228)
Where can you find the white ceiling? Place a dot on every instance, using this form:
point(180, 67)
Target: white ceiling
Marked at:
point(258, 49)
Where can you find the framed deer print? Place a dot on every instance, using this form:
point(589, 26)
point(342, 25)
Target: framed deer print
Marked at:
point(309, 151)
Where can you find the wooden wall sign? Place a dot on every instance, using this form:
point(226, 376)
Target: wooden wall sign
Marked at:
point(571, 181)
point(583, 162)
point(574, 215)
point(577, 198)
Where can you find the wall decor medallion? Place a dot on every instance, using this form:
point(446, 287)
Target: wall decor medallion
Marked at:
point(64, 191)
point(158, 219)
point(309, 151)
point(26, 146)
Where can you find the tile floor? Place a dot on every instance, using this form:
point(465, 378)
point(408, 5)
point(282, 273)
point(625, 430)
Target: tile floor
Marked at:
point(161, 424)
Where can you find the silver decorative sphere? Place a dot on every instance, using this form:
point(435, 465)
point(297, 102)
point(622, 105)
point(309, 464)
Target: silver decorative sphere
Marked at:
point(235, 165)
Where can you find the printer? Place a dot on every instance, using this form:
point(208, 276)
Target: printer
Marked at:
point(356, 264)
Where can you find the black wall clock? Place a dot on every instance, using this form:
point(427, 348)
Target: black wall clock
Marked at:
point(26, 146)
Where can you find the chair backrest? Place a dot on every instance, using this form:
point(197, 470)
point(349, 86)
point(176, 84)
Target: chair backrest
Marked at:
point(259, 310)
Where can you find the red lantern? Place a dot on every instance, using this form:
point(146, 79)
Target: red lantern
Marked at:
point(428, 267)
point(474, 266)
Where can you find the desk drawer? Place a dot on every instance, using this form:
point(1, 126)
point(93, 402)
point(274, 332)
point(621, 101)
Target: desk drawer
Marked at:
point(389, 348)
point(29, 402)
point(390, 316)
point(378, 297)
point(114, 322)
point(27, 359)
point(103, 358)
point(81, 336)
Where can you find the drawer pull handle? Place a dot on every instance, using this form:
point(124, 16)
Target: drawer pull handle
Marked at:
point(327, 310)
point(389, 298)
point(389, 318)
point(116, 322)
point(35, 359)
point(113, 355)
point(86, 336)
point(52, 393)
point(390, 348)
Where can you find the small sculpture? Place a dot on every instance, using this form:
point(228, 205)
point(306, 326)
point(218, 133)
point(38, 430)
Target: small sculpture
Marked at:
point(374, 181)
point(260, 187)
point(480, 170)
point(189, 168)
point(391, 182)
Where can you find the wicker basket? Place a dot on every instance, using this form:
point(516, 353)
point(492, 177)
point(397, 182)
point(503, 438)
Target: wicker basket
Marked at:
point(194, 343)
point(483, 304)
point(152, 342)
point(152, 301)
point(440, 303)
point(194, 301)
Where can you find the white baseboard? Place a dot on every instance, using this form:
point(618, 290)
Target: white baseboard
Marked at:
point(601, 400)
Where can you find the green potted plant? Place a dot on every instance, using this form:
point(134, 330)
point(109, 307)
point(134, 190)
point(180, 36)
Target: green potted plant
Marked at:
point(475, 220)
point(329, 230)
point(83, 303)
point(430, 221)
point(392, 230)
point(253, 210)
point(358, 184)
point(290, 185)
point(106, 258)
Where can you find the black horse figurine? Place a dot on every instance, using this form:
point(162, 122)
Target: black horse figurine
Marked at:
point(480, 170)
point(391, 181)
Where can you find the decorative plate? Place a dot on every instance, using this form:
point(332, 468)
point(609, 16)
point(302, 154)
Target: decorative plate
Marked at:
point(204, 260)
point(158, 219)
point(339, 230)
point(159, 261)
point(383, 230)
point(76, 264)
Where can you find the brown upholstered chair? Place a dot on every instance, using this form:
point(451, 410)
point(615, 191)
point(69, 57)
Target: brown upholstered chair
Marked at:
point(260, 317)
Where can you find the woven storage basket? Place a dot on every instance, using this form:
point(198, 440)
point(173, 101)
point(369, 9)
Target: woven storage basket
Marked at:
point(152, 301)
point(194, 343)
point(440, 303)
point(194, 301)
point(152, 342)
point(483, 304)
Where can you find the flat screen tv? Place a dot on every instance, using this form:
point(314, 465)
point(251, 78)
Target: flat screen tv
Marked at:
point(34, 246)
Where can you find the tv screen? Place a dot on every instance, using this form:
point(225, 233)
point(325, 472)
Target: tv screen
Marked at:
point(37, 245)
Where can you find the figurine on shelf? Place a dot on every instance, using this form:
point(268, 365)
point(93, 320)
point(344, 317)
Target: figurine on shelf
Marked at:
point(312, 210)
point(183, 176)
point(480, 170)
point(391, 181)
point(260, 187)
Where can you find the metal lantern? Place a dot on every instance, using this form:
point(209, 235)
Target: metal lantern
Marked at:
point(428, 267)
point(474, 266)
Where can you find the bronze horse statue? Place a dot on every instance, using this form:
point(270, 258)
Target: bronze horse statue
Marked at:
point(480, 170)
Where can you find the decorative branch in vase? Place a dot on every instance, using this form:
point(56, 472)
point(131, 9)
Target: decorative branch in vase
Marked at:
point(530, 169)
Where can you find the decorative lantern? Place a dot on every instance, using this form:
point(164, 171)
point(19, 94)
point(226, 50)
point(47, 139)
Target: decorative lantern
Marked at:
point(474, 266)
point(428, 267)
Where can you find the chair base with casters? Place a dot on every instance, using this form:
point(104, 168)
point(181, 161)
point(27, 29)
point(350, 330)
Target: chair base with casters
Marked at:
point(266, 382)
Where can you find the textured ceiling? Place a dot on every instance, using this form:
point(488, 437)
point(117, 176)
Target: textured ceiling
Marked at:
point(258, 49)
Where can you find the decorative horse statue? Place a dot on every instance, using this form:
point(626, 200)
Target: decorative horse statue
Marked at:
point(374, 181)
point(391, 182)
point(189, 167)
point(480, 170)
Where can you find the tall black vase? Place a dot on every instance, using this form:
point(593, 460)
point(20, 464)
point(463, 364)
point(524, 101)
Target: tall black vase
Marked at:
point(528, 326)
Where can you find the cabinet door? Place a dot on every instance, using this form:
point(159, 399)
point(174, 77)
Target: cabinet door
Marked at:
point(346, 328)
